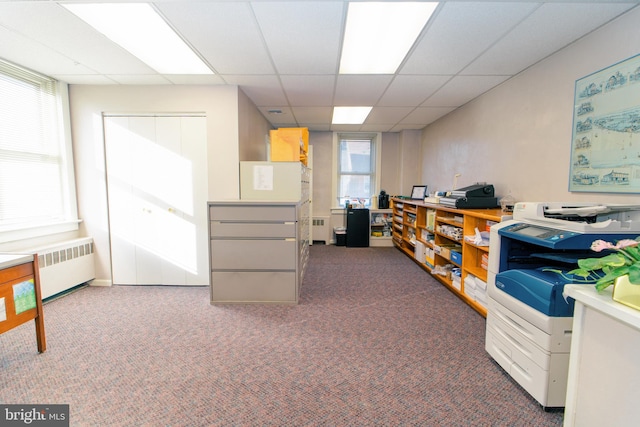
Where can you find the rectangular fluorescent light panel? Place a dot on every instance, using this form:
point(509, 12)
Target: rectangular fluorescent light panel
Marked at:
point(350, 115)
point(138, 28)
point(378, 36)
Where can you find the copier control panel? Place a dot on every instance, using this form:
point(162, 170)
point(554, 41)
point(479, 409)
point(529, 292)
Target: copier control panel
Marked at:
point(552, 237)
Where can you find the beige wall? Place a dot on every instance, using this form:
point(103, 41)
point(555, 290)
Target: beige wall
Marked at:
point(518, 136)
point(408, 163)
point(400, 166)
point(322, 164)
point(253, 130)
point(218, 103)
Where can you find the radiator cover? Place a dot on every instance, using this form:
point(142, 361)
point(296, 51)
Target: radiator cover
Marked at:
point(65, 265)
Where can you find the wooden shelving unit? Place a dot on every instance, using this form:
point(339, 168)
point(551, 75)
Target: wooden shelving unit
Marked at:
point(433, 236)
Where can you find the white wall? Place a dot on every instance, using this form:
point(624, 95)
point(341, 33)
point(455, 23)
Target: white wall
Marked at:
point(220, 105)
point(518, 135)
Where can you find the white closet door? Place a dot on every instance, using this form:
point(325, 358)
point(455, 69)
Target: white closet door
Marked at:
point(156, 180)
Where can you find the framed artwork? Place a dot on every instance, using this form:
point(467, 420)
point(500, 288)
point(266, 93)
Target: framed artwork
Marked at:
point(418, 192)
point(605, 144)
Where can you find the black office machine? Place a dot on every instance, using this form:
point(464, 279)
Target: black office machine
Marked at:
point(383, 200)
point(529, 323)
point(357, 228)
point(475, 196)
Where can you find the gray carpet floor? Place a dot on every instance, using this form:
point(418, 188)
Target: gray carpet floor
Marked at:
point(375, 341)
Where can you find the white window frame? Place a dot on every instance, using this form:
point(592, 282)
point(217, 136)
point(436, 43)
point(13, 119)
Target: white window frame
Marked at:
point(69, 220)
point(376, 137)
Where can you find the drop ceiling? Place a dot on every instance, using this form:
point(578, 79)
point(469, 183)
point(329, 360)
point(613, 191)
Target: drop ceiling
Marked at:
point(284, 55)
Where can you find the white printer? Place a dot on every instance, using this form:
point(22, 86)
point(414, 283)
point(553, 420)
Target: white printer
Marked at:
point(529, 323)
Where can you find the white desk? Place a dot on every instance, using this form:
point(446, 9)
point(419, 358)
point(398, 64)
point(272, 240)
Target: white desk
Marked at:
point(604, 368)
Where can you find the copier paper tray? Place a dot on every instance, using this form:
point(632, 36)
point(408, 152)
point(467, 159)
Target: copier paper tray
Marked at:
point(538, 289)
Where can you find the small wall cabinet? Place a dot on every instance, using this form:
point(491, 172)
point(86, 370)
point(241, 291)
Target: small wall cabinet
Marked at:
point(433, 236)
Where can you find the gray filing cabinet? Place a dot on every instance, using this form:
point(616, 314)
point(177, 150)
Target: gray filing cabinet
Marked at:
point(258, 251)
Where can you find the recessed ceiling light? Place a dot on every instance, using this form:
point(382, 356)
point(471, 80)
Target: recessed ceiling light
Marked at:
point(350, 115)
point(138, 28)
point(379, 35)
point(275, 111)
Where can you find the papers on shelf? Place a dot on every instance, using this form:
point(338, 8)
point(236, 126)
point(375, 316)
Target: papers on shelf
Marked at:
point(481, 238)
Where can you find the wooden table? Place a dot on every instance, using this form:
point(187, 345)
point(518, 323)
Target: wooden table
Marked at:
point(20, 296)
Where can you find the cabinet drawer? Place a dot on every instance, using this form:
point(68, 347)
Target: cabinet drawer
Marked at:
point(235, 229)
point(252, 212)
point(253, 254)
point(268, 286)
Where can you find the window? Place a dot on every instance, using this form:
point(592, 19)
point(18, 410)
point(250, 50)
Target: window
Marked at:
point(357, 162)
point(36, 176)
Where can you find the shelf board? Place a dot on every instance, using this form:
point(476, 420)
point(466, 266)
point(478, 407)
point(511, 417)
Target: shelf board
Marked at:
point(480, 273)
point(481, 248)
point(424, 242)
point(450, 221)
point(447, 237)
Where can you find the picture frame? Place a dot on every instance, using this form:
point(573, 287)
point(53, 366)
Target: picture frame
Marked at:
point(418, 192)
point(605, 143)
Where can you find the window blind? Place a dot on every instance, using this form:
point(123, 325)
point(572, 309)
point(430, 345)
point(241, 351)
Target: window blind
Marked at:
point(32, 171)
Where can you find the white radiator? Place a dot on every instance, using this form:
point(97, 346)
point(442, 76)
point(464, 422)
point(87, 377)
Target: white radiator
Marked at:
point(321, 229)
point(65, 265)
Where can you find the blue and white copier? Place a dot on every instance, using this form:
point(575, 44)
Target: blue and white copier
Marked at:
point(529, 323)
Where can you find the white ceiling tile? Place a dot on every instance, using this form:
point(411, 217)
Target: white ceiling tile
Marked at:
point(84, 79)
point(195, 79)
point(426, 114)
point(527, 44)
point(286, 115)
point(377, 127)
point(309, 91)
point(284, 54)
point(324, 127)
point(209, 27)
point(360, 90)
point(411, 90)
point(303, 37)
point(51, 25)
point(462, 89)
point(461, 32)
point(382, 115)
point(313, 115)
point(284, 124)
point(36, 56)
point(263, 90)
point(401, 126)
point(137, 79)
point(346, 128)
